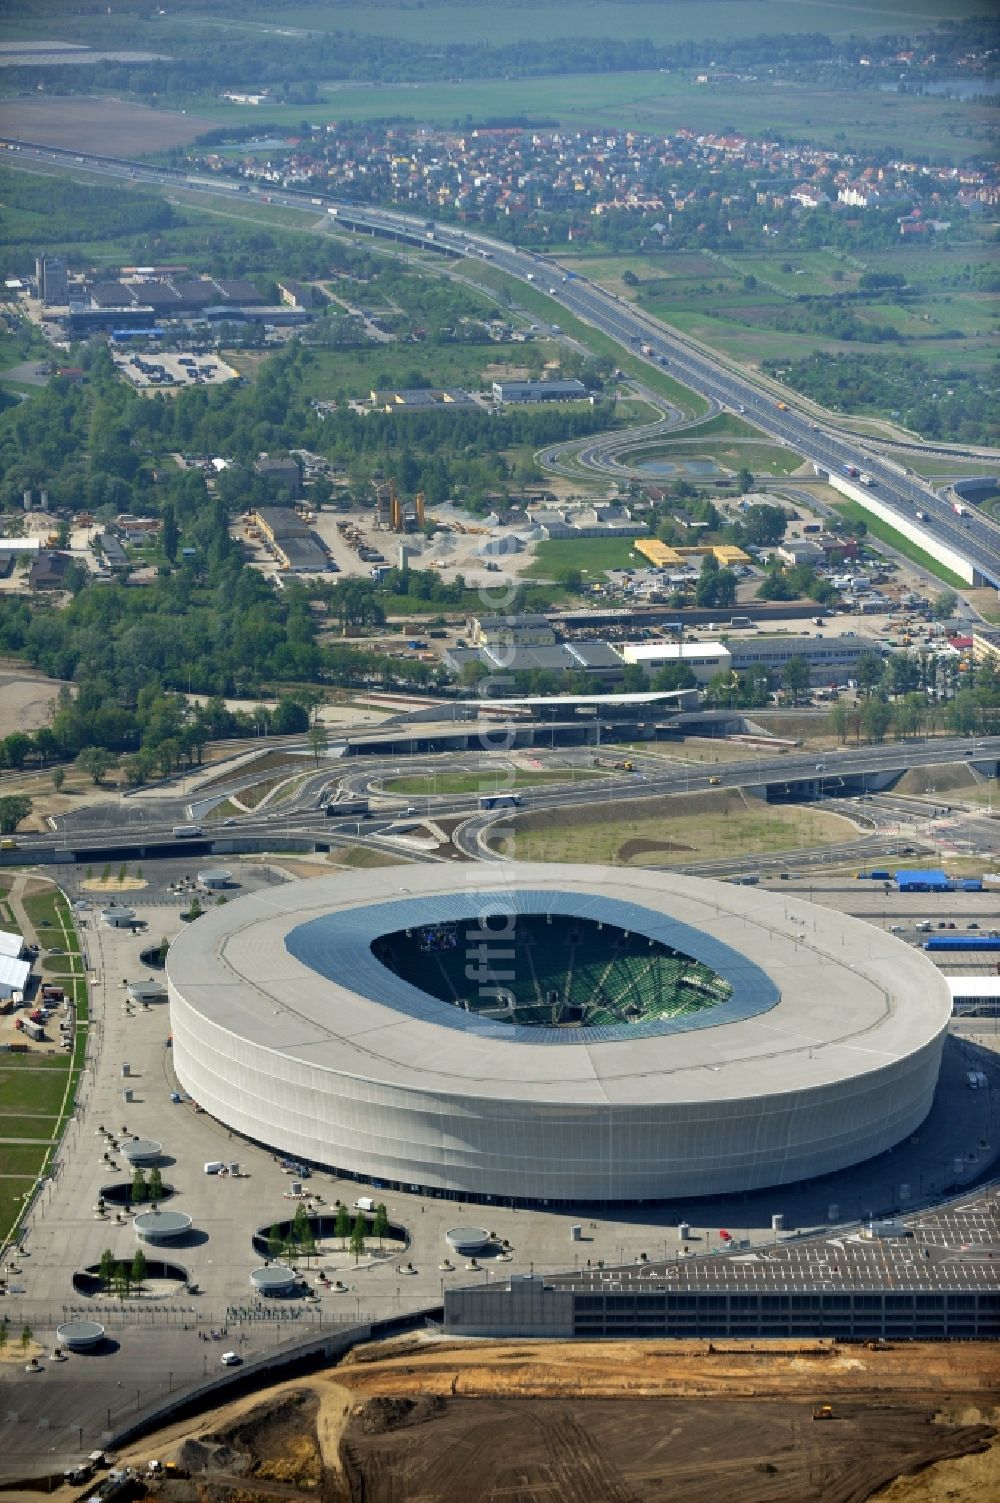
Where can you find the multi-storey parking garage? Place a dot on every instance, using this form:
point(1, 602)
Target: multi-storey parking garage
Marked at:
point(555, 1033)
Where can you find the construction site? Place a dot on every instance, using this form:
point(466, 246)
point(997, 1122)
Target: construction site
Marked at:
point(432, 1421)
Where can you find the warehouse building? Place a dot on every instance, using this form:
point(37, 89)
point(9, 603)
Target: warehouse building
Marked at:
point(924, 881)
point(705, 659)
point(830, 659)
point(296, 547)
point(539, 391)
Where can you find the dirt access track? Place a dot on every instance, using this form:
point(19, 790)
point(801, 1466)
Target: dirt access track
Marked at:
point(438, 1421)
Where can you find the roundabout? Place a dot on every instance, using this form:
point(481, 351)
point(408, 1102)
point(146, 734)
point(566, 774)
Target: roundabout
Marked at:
point(817, 1046)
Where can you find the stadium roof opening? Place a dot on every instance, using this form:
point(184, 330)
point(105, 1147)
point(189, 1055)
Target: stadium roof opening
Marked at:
point(376, 952)
point(552, 970)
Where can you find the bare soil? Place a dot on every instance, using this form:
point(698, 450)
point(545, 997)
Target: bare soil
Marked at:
point(416, 1421)
point(98, 125)
point(24, 698)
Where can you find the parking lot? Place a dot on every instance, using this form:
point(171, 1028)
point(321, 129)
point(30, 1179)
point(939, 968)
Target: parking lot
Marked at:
point(161, 369)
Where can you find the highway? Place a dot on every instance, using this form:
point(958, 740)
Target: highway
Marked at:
point(974, 536)
point(127, 828)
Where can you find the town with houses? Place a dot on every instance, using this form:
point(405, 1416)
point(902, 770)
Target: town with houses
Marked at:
point(520, 174)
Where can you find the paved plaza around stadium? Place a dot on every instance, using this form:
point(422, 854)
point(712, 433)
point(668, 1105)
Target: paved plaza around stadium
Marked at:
point(155, 1353)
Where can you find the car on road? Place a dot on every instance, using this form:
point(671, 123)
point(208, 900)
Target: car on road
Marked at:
point(231, 1359)
point(714, 782)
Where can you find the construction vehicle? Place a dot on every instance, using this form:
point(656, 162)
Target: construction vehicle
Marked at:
point(822, 1411)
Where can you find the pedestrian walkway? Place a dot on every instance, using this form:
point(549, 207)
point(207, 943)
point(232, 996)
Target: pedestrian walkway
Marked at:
point(15, 899)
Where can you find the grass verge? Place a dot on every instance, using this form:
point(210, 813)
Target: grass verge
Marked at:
point(675, 831)
point(886, 534)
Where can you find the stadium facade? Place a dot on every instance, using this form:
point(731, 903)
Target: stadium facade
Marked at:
point(559, 1034)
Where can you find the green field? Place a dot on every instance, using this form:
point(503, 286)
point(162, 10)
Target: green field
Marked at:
point(592, 556)
point(12, 1193)
point(500, 782)
point(37, 1090)
point(879, 529)
point(650, 101)
point(31, 1086)
point(344, 374)
point(762, 457)
point(674, 831)
point(684, 20)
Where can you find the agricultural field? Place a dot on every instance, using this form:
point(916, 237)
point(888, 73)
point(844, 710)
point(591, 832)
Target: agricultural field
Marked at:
point(99, 125)
point(848, 119)
point(473, 24)
point(784, 309)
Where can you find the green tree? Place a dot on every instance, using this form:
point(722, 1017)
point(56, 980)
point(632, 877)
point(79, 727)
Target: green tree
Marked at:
point(358, 1233)
point(154, 1189)
point(839, 722)
point(673, 676)
point(380, 1225)
point(342, 1225)
point(170, 533)
point(26, 1334)
point(13, 808)
point(274, 1242)
point(945, 604)
point(875, 719)
point(138, 1270)
point(106, 1268)
point(317, 739)
point(795, 678)
point(58, 776)
point(869, 673)
point(4, 1334)
point(300, 1228)
point(139, 1189)
point(744, 481)
point(963, 713)
point(95, 761)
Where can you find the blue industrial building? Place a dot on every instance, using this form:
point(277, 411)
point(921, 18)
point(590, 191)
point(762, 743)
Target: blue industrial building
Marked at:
point(927, 881)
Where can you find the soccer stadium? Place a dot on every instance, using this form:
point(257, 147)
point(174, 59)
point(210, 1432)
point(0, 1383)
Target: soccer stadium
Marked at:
point(560, 1034)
